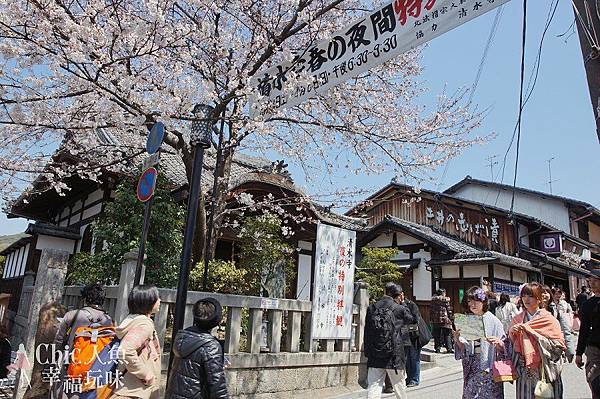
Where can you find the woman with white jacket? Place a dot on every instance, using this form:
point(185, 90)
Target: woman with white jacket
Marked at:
point(505, 311)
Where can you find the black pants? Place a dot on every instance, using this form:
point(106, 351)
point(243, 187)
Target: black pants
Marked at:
point(442, 336)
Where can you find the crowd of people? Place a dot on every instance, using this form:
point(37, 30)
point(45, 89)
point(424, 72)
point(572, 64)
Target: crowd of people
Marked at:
point(197, 369)
point(526, 343)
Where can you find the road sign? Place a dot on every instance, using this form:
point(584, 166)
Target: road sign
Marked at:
point(155, 137)
point(390, 30)
point(151, 160)
point(147, 184)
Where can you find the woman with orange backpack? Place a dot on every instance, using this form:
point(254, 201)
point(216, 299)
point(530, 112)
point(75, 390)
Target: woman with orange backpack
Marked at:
point(139, 349)
point(90, 316)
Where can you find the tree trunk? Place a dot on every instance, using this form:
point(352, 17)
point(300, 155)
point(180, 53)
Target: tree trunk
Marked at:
point(223, 173)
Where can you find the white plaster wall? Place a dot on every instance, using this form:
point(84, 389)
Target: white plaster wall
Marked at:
point(95, 196)
point(404, 239)
point(475, 271)
point(24, 260)
point(306, 245)
point(502, 272)
point(523, 231)
point(54, 243)
point(304, 270)
point(93, 211)
point(551, 211)
point(450, 271)
point(422, 278)
point(519, 276)
point(383, 240)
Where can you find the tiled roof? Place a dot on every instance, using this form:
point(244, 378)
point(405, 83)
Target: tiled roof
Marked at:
point(433, 236)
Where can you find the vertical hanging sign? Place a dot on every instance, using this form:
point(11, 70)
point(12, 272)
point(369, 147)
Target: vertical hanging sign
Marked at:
point(333, 290)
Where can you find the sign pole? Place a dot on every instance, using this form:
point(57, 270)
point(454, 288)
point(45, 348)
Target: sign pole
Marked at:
point(145, 189)
point(142, 249)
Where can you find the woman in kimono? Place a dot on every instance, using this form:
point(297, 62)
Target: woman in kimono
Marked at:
point(479, 356)
point(537, 340)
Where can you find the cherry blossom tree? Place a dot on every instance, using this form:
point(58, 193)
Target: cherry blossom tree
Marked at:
point(71, 67)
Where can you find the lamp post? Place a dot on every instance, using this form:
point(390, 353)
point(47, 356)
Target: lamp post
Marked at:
point(200, 140)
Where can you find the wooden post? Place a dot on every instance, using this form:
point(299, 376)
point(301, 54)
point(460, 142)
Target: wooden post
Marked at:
point(362, 300)
point(308, 344)
point(254, 333)
point(188, 319)
point(330, 345)
point(234, 327)
point(275, 330)
point(160, 321)
point(294, 326)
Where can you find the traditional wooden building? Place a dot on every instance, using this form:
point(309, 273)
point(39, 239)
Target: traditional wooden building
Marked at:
point(454, 243)
point(65, 220)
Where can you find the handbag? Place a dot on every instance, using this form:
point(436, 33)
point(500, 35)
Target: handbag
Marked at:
point(424, 333)
point(504, 371)
point(543, 389)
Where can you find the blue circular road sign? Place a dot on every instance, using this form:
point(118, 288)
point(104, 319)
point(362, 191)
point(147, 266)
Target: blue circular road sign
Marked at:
point(155, 137)
point(146, 184)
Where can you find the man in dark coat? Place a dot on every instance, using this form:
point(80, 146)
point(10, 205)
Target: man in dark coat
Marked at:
point(589, 336)
point(441, 316)
point(582, 298)
point(197, 370)
point(384, 346)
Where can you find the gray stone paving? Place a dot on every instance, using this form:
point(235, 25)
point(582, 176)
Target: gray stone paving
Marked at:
point(445, 382)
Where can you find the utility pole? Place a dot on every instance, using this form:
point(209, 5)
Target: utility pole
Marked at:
point(491, 164)
point(550, 181)
point(587, 20)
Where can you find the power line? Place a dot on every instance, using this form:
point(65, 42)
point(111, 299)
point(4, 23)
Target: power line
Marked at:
point(534, 76)
point(486, 49)
point(512, 200)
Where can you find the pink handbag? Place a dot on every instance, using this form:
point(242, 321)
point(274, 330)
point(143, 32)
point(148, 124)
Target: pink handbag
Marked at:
point(504, 371)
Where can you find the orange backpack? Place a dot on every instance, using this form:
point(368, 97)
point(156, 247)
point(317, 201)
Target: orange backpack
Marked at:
point(89, 342)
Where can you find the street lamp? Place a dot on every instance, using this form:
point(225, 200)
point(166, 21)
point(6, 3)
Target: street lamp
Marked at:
point(200, 139)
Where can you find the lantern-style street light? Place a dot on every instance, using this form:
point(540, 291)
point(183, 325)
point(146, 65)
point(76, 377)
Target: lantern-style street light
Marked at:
point(200, 140)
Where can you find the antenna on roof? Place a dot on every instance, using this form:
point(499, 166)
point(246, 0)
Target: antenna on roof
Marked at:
point(491, 164)
point(550, 181)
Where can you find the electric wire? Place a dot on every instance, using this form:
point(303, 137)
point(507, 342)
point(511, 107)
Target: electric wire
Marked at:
point(484, 56)
point(531, 87)
point(512, 201)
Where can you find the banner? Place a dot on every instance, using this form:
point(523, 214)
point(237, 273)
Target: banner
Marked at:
point(385, 33)
point(333, 290)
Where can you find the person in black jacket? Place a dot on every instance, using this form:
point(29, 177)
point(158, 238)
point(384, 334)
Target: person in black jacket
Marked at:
point(197, 370)
point(589, 336)
point(384, 340)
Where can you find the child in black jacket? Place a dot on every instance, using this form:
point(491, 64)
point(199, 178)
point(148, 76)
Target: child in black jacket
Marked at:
point(197, 370)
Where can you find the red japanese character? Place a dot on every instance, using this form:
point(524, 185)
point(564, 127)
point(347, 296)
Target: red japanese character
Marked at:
point(404, 8)
point(340, 304)
point(340, 290)
point(339, 320)
point(341, 276)
point(342, 251)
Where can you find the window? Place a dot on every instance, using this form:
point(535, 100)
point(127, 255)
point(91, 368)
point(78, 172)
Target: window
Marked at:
point(584, 230)
point(86, 240)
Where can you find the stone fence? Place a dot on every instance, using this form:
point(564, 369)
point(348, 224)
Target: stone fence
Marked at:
point(273, 356)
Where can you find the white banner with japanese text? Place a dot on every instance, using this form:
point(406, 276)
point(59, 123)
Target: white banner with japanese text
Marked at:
point(333, 289)
point(386, 32)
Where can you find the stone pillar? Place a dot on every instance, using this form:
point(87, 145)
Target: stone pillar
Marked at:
point(361, 298)
point(126, 285)
point(50, 281)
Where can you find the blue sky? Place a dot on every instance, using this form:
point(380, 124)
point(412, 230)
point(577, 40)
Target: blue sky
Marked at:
point(557, 122)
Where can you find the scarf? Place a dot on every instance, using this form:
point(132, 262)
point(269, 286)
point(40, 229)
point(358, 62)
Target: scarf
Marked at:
point(526, 343)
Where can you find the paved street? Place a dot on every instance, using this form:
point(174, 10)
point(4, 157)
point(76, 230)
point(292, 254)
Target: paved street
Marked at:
point(445, 382)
